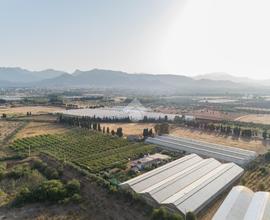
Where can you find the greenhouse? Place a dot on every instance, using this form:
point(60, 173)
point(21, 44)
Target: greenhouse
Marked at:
point(187, 184)
point(243, 204)
point(135, 111)
point(219, 152)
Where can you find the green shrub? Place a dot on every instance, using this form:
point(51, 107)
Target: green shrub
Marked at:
point(76, 198)
point(49, 172)
point(163, 214)
point(191, 216)
point(175, 217)
point(18, 172)
point(159, 214)
point(24, 196)
point(51, 190)
point(73, 187)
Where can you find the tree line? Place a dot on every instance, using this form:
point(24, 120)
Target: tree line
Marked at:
point(90, 124)
point(225, 128)
point(87, 119)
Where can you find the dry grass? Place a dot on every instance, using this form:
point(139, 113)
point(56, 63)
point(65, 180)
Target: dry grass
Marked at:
point(7, 128)
point(211, 211)
point(255, 118)
point(33, 109)
point(129, 128)
point(214, 115)
point(40, 128)
point(255, 145)
point(39, 118)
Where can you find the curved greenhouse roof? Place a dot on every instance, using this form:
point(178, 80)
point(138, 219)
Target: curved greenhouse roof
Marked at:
point(186, 184)
point(220, 152)
point(244, 204)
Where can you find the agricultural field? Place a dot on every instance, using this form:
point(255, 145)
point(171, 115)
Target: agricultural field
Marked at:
point(255, 118)
point(258, 178)
point(89, 150)
point(259, 110)
point(214, 115)
point(35, 110)
point(7, 128)
point(41, 128)
point(38, 118)
point(258, 146)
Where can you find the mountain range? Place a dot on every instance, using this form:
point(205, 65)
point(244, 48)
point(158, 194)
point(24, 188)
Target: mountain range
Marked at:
point(225, 76)
point(108, 79)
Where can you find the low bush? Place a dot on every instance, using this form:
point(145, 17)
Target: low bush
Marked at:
point(50, 191)
point(163, 214)
point(18, 172)
point(49, 172)
point(73, 187)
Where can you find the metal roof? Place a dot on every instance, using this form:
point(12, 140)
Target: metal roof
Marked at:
point(220, 152)
point(243, 204)
point(186, 184)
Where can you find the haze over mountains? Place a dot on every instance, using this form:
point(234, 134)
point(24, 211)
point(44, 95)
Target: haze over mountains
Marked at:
point(104, 79)
point(225, 76)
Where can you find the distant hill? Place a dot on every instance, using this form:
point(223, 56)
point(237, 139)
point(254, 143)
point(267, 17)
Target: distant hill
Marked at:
point(108, 79)
point(225, 76)
point(19, 75)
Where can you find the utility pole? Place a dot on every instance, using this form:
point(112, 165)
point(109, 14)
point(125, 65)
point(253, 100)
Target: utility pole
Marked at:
point(29, 150)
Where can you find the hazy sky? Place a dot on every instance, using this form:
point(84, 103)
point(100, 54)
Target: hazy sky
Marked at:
point(153, 36)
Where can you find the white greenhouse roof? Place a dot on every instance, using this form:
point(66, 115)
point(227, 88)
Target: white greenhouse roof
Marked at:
point(244, 204)
point(134, 110)
point(186, 184)
point(220, 152)
point(118, 113)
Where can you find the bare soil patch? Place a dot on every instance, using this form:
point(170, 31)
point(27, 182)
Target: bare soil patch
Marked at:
point(129, 128)
point(258, 146)
point(209, 114)
point(255, 118)
point(42, 212)
point(33, 109)
point(41, 128)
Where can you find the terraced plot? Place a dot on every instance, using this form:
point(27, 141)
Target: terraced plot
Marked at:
point(88, 149)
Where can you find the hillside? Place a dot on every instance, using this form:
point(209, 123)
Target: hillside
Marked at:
point(108, 79)
point(18, 75)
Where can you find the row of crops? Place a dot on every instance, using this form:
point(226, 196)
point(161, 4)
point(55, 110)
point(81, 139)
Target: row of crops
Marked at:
point(258, 179)
point(87, 149)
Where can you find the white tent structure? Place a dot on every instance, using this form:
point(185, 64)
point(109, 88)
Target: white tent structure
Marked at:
point(219, 152)
point(243, 204)
point(134, 110)
point(186, 184)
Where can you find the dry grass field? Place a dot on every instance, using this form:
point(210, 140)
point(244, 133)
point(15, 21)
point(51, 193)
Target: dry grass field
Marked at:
point(33, 109)
point(255, 145)
point(129, 128)
point(39, 118)
point(7, 128)
point(214, 115)
point(40, 128)
point(211, 211)
point(255, 118)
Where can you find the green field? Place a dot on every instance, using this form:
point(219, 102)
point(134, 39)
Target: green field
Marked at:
point(88, 149)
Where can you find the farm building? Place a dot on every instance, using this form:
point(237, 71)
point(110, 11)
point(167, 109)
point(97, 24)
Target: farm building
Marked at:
point(219, 152)
point(187, 184)
point(244, 204)
point(148, 161)
point(135, 111)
